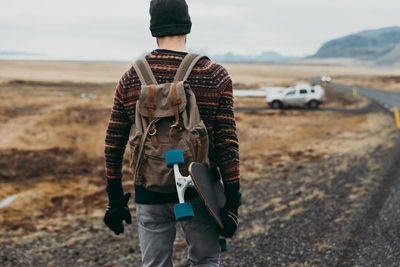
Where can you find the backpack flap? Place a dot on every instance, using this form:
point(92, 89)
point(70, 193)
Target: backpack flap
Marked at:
point(163, 99)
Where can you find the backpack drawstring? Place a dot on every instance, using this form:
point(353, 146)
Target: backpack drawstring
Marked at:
point(141, 146)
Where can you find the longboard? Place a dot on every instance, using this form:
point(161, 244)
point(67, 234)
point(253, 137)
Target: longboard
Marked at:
point(209, 188)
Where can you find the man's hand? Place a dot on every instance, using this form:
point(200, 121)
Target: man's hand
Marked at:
point(117, 213)
point(230, 221)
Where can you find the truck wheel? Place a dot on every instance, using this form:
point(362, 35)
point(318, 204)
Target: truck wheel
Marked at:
point(276, 104)
point(313, 104)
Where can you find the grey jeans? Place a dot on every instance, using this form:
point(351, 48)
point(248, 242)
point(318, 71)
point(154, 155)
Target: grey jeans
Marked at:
point(157, 230)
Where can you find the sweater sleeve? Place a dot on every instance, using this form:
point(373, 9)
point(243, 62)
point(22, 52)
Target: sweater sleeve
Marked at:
point(116, 136)
point(226, 140)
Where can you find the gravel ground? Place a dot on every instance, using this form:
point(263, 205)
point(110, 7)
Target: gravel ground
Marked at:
point(321, 232)
point(379, 244)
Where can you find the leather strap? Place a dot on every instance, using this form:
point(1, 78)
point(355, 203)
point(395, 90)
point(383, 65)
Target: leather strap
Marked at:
point(186, 66)
point(175, 106)
point(175, 102)
point(198, 151)
point(144, 72)
point(132, 156)
point(151, 106)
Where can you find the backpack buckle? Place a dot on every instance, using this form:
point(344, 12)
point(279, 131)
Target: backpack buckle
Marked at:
point(153, 133)
point(178, 126)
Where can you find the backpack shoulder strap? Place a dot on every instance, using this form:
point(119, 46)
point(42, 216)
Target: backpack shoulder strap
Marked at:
point(186, 67)
point(144, 72)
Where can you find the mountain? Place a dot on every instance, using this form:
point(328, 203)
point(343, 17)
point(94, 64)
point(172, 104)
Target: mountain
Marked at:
point(381, 46)
point(19, 55)
point(268, 56)
point(390, 58)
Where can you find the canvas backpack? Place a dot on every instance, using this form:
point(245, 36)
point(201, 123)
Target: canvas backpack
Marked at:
point(167, 117)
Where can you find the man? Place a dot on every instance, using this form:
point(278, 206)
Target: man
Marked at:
point(212, 86)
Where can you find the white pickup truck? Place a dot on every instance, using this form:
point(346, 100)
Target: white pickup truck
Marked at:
point(299, 95)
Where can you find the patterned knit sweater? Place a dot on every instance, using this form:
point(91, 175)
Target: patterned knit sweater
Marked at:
point(212, 87)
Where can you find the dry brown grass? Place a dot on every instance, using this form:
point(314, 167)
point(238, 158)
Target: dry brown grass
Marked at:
point(66, 71)
point(387, 82)
point(243, 74)
point(271, 137)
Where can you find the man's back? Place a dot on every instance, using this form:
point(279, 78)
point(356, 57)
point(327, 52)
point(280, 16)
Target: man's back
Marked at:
point(212, 87)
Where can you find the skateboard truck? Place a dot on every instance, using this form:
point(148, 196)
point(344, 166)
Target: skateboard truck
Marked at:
point(184, 210)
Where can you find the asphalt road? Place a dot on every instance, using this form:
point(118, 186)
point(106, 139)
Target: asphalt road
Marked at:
point(377, 238)
point(387, 99)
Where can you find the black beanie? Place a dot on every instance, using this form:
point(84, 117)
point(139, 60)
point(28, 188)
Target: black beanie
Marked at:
point(169, 18)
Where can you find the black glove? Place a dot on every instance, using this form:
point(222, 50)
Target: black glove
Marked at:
point(230, 221)
point(116, 213)
point(229, 214)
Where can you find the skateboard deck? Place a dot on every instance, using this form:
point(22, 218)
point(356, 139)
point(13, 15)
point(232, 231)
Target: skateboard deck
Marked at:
point(209, 188)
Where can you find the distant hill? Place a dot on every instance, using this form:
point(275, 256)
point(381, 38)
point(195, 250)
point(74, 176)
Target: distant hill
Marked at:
point(268, 56)
point(19, 55)
point(381, 46)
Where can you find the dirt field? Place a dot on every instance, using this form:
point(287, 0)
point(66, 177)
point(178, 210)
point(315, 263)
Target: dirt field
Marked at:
point(244, 75)
point(52, 128)
point(257, 75)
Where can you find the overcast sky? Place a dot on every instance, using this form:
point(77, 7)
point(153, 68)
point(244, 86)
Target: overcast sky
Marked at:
point(119, 29)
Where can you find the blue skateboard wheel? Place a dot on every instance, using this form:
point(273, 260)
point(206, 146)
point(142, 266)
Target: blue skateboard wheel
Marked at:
point(183, 211)
point(222, 244)
point(174, 156)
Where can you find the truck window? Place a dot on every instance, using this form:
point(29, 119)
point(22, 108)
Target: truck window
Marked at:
point(312, 91)
point(290, 93)
point(303, 91)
